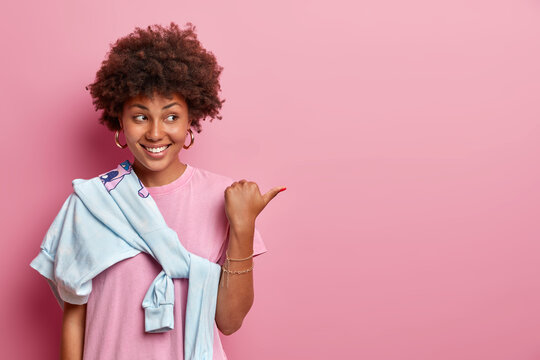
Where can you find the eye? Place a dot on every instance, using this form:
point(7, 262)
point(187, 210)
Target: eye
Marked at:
point(174, 117)
point(137, 117)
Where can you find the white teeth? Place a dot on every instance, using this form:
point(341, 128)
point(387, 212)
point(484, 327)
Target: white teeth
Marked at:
point(156, 150)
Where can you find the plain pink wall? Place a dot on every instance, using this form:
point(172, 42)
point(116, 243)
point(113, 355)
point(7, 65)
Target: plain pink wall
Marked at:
point(406, 132)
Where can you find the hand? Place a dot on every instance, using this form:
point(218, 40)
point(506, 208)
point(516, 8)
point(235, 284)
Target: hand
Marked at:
point(244, 201)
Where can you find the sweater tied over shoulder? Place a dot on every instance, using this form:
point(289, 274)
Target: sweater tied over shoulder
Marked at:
point(112, 217)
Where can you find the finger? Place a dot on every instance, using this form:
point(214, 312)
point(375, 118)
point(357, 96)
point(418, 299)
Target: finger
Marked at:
point(272, 193)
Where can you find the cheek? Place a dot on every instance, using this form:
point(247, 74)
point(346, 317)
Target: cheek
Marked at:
point(130, 138)
point(179, 134)
point(132, 134)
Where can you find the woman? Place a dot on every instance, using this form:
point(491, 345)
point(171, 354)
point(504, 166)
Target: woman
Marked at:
point(154, 87)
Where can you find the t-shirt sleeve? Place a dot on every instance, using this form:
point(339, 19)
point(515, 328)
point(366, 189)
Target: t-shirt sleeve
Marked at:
point(259, 246)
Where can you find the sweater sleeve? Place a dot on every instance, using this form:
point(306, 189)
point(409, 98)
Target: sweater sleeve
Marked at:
point(44, 262)
point(62, 259)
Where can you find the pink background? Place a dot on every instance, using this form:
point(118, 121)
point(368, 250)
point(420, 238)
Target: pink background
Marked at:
point(406, 132)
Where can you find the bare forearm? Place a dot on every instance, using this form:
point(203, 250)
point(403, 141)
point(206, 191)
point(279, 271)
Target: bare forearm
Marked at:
point(73, 325)
point(235, 293)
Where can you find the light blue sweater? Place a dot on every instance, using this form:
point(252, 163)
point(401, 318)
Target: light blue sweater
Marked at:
point(112, 217)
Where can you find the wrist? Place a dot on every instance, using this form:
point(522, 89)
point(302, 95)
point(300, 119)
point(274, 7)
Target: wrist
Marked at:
point(240, 241)
point(240, 222)
point(245, 226)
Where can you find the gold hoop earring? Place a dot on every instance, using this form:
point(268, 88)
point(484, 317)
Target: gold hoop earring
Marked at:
point(117, 141)
point(192, 140)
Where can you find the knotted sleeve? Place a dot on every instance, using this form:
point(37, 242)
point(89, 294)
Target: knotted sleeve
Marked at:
point(75, 249)
point(44, 261)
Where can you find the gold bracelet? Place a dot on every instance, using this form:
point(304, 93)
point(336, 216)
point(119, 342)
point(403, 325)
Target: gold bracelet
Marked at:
point(235, 272)
point(229, 259)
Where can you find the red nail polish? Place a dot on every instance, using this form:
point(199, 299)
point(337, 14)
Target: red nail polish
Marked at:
point(283, 189)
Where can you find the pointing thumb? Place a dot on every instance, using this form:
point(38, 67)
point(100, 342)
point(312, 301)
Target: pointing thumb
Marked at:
point(272, 193)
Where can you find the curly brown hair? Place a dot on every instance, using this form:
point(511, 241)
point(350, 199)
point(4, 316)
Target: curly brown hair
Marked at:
point(163, 60)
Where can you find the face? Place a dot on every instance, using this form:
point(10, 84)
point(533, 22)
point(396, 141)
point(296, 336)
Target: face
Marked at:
point(155, 131)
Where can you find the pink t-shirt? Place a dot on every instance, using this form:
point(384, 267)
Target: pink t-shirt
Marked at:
point(194, 206)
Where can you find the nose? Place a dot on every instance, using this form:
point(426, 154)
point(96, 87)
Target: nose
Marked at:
point(155, 130)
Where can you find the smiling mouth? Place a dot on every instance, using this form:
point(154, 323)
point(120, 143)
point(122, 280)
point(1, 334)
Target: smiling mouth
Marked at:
point(156, 150)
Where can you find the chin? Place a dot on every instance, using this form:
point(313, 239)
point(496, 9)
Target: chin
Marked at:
point(156, 165)
point(156, 168)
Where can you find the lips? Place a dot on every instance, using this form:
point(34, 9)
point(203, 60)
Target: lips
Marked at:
point(155, 149)
point(154, 146)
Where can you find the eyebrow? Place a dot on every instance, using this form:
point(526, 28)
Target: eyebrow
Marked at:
point(165, 107)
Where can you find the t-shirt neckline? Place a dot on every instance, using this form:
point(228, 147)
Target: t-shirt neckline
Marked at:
point(172, 186)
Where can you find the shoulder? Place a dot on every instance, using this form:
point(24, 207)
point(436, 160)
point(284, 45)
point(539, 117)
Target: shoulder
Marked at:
point(210, 179)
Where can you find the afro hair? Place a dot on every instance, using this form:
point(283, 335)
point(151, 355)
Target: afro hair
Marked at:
point(162, 60)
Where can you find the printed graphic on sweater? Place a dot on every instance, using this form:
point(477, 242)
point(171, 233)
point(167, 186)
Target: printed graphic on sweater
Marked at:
point(112, 178)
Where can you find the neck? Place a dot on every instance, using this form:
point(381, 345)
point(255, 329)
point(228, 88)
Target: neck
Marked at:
point(151, 178)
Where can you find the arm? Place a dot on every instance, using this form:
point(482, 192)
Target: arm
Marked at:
point(243, 203)
point(73, 325)
point(235, 294)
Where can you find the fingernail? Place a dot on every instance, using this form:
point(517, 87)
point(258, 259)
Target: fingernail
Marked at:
point(283, 189)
